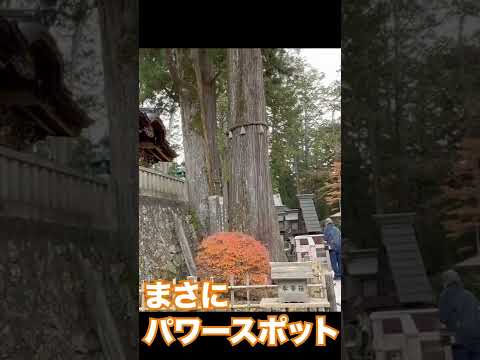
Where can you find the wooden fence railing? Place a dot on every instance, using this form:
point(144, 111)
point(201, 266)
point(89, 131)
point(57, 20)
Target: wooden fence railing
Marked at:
point(155, 184)
point(37, 189)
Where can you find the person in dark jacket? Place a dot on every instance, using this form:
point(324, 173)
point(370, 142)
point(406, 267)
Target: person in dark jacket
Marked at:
point(460, 312)
point(333, 237)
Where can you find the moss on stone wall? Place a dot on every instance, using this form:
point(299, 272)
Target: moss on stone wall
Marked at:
point(160, 254)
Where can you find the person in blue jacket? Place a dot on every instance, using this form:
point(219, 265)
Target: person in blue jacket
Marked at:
point(333, 237)
point(460, 312)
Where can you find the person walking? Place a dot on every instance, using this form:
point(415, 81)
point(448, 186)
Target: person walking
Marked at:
point(333, 237)
point(460, 312)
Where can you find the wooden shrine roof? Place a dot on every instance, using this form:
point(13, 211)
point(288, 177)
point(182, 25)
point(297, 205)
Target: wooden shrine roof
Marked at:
point(153, 144)
point(32, 91)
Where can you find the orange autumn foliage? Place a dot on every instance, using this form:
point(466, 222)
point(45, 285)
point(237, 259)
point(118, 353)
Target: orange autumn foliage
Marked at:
point(333, 192)
point(231, 253)
point(461, 195)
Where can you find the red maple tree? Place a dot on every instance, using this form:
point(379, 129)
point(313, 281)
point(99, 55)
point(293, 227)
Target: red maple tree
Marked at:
point(224, 254)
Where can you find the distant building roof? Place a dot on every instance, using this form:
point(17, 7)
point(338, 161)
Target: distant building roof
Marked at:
point(291, 214)
point(153, 145)
point(309, 213)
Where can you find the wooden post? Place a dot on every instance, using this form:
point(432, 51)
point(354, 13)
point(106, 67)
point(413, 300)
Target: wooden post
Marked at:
point(330, 291)
point(142, 300)
point(174, 282)
point(265, 291)
point(248, 291)
point(232, 295)
point(99, 312)
point(185, 246)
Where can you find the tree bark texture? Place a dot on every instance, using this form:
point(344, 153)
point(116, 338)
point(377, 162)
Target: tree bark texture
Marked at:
point(195, 164)
point(206, 89)
point(119, 31)
point(250, 201)
point(120, 58)
point(182, 73)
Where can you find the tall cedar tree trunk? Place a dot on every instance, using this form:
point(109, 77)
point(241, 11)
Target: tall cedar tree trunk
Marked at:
point(403, 192)
point(120, 62)
point(465, 87)
point(205, 76)
point(120, 58)
point(250, 200)
point(196, 172)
